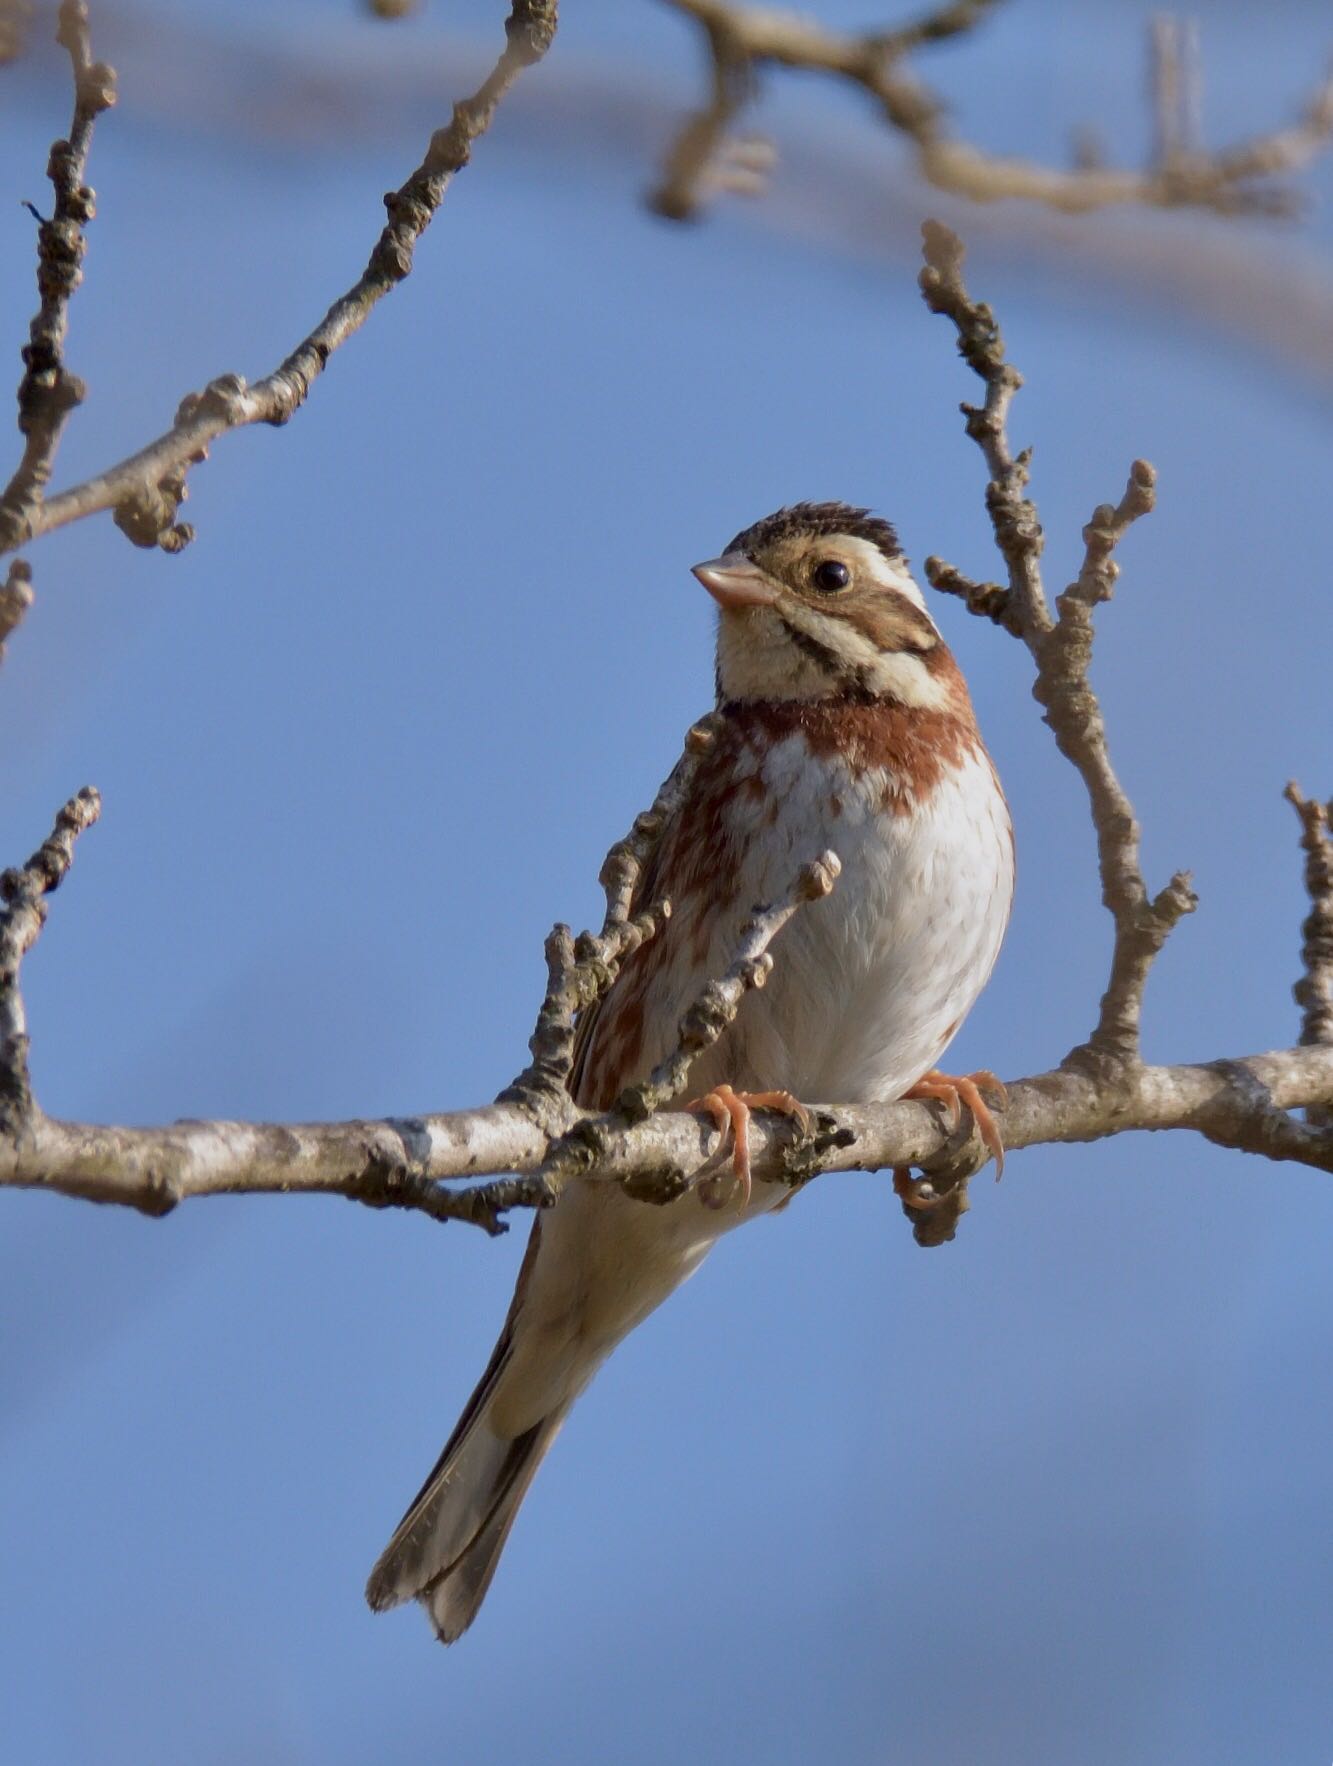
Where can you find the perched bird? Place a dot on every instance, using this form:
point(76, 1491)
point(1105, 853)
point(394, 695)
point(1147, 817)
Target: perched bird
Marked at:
point(845, 724)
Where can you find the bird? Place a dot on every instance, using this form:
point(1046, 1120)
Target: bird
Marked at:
point(843, 723)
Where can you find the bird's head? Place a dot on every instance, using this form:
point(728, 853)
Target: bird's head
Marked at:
point(817, 602)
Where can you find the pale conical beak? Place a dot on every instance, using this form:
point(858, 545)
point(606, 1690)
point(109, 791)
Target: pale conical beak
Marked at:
point(735, 583)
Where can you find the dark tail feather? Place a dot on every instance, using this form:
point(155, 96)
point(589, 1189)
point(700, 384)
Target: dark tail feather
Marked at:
point(453, 1598)
point(447, 1545)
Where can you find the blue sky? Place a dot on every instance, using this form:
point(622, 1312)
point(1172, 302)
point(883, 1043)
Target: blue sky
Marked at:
point(1057, 1492)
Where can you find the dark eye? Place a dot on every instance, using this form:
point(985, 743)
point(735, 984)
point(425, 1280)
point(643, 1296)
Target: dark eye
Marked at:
point(830, 576)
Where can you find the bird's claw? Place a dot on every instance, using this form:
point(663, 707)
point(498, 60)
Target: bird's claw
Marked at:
point(953, 1091)
point(730, 1111)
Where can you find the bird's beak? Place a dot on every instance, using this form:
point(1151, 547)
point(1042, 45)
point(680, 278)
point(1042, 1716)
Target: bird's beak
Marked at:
point(735, 583)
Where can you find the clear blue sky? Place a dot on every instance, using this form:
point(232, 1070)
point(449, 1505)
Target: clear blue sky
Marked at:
point(1055, 1493)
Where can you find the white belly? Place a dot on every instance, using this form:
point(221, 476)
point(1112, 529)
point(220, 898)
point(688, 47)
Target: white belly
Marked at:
point(868, 988)
point(870, 984)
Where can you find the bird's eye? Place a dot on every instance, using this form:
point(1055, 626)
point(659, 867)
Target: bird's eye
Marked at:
point(830, 576)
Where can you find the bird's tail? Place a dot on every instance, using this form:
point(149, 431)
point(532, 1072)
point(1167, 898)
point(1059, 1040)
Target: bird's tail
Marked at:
point(448, 1543)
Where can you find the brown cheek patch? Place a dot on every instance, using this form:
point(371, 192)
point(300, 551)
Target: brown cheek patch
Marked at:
point(889, 621)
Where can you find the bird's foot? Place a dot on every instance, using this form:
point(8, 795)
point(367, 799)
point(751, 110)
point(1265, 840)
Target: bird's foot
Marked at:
point(953, 1091)
point(730, 1111)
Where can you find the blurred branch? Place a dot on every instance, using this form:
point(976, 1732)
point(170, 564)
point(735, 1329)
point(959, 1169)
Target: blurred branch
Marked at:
point(15, 19)
point(146, 490)
point(15, 599)
point(741, 41)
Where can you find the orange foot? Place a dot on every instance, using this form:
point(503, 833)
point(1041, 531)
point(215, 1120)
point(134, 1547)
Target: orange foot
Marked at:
point(955, 1091)
point(730, 1111)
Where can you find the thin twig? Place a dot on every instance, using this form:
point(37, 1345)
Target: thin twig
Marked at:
point(1013, 516)
point(1313, 993)
point(1061, 647)
point(1063, 688)
point(48, 392)
point(23, 892)
point(146, 490)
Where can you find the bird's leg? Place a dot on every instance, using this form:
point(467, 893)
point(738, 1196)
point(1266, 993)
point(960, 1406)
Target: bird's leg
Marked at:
point(730, 1111)
point(953, 1091)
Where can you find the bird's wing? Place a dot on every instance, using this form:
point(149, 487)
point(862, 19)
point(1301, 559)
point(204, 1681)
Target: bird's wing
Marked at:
point(695, 865)
point(647, 889)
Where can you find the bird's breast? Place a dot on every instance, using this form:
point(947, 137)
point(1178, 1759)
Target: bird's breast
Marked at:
point(869, 984)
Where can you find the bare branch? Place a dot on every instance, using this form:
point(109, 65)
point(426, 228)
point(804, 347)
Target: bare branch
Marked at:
point(1060, 647)
point(742, 40)
point(1074, 714)
point(705, 159)
point(419, 1162)
point(1014, 518)
point(409, 1162)
point(1313, 993)
point(48, 392)
point(986, 599)
point(23, 893)
point(146, 490)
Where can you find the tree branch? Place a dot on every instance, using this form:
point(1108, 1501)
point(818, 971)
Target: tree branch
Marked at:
point(1313, 993)
point(146, 490)
point(430, 1163)
point(48, 392)
point(1061, 647)
point(740, 41)
point(411, 1162)
point(526, 1146)
point(23, 893)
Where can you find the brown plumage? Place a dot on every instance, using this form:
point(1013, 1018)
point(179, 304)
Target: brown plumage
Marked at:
point(846, 724)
